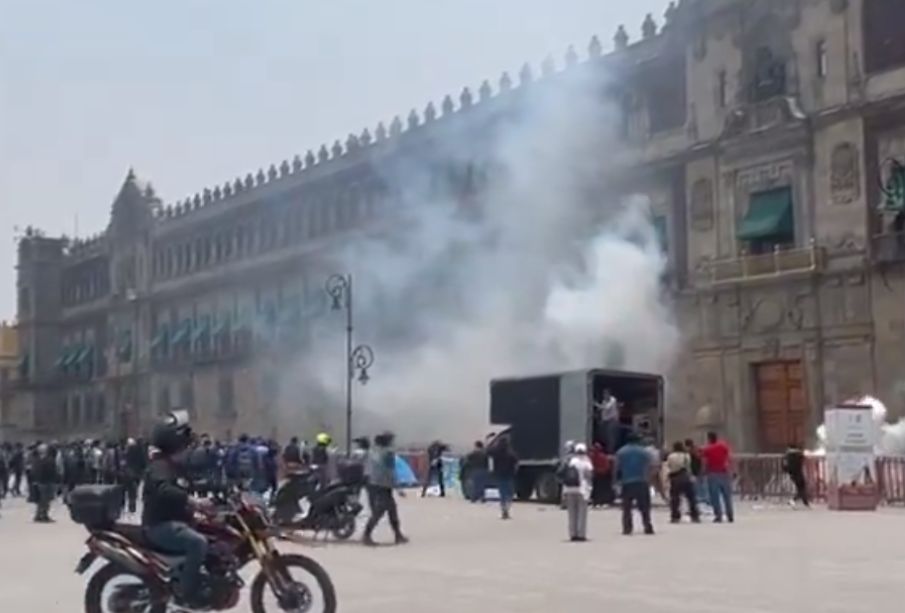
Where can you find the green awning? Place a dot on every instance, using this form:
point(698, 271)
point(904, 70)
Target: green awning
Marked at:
point(769, 216)
point(83, 355)
point(223, 325)
point(71, 356)
point(160, 340)
point(64, 357)
point(182, 333)
point(894, 190)
point(202, 329)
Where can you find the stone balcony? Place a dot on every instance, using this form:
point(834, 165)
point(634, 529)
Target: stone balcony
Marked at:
point(763, 266)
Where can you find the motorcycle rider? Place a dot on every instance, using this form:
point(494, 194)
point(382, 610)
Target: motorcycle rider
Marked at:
point(168, 508)
point(320, 458)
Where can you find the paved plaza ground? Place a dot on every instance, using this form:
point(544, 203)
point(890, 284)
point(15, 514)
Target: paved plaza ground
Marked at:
point(464, 558)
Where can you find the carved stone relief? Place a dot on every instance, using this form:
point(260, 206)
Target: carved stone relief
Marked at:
point(702, 205)
point(845, 175)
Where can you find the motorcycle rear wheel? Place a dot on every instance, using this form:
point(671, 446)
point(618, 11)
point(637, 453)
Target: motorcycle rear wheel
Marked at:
point(345, 529)
point(309, 566)
point(94, 592)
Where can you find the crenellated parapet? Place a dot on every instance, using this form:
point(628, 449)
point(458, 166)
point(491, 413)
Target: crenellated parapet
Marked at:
point(87, 247)
point(386, 134)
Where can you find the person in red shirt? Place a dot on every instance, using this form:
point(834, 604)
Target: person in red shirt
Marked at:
point(602, 487)
point(717, 457)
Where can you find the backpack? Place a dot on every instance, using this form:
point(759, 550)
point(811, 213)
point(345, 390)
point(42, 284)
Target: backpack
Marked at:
point(246, 462)
point(199, 460)
point(568, 475)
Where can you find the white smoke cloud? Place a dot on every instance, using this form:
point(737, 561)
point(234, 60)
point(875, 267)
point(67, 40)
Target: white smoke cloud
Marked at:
point(890, 437)
point(548, 273)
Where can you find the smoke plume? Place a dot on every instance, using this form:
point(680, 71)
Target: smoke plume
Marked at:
point(544, 267)
point(890, 437)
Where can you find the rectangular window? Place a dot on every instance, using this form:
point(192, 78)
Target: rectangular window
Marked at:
point(884, 43)
point(769, 222)
point(722, 93)
point(822, 59)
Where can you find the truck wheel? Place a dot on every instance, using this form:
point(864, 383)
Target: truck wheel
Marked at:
point(548, 488)
point(524, 487)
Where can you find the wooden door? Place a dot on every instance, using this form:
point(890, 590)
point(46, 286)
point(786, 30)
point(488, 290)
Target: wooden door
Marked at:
point(782, 404)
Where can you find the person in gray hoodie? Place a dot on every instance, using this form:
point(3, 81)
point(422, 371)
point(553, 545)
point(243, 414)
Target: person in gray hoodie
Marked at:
point(381, 472)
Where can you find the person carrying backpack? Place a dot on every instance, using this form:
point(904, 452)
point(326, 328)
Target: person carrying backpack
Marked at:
point(576, 475)
point(242, 463)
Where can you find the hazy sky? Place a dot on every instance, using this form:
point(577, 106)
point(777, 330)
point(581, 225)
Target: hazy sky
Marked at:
point(192, 93)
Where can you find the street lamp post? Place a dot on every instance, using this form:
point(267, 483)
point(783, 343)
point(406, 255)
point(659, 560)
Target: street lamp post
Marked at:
point(358, 359)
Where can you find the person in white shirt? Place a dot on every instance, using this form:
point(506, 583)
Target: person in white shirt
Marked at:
point(681, 484)
point(577, 474)
point(607, 411)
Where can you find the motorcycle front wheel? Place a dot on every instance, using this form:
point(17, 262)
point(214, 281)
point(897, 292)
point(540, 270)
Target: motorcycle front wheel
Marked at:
point(113, 589)
point(306, 588)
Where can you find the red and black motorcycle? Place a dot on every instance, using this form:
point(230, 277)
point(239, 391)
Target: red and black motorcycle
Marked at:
point(140, 578)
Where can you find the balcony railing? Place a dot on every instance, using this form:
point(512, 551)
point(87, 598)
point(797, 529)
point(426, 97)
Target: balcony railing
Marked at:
point(777, 263)
point(888, 248)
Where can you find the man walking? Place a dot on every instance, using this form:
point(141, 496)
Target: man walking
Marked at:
point(633, 467)
point(793, 464)
point(717, 463)
point(435, 468)
point(505, 468)
point(381, 473)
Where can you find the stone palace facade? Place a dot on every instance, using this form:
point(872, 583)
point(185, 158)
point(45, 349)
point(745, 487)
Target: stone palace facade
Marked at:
point(769, 135)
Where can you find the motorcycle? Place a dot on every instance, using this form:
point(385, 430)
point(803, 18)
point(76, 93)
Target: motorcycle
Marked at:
point(239, 533)
point(301, 504)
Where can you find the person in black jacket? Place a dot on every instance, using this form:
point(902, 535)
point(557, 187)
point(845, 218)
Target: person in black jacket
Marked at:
point(474, 472)
point(793, 464)
point(168, 508)
point(46, 479)
point(435, 468)
point(505, 469)
point(135, 462)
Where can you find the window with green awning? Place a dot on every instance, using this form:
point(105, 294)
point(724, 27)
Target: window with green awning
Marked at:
point(769, 218)
point(159, 342)
point(71, 356)
point(182, 334)
point(64, 356)
point(202, 329)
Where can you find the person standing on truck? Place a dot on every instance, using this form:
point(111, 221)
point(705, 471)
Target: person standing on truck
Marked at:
point(633, 467)
point(505, 468)
point(576, 475)
point(717, 463)
point(607, 411)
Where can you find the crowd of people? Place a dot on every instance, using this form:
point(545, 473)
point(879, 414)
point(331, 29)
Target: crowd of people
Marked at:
point(683, 475)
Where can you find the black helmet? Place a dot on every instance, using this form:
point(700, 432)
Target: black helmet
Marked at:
point(173, 434)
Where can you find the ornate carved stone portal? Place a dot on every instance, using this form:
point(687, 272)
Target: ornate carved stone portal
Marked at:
point(845, 183)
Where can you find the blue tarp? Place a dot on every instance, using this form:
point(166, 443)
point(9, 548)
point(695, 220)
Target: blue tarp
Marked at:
point(405, 476)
